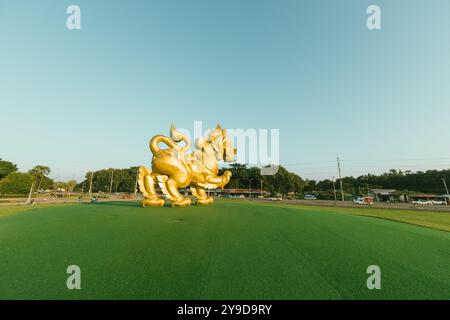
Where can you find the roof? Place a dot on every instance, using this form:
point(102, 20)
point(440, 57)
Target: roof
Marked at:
point(243, 191)
point(383, 191)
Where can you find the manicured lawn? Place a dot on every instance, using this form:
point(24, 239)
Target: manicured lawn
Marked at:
point(9, 210)
point(231, 250)
point(430, 219)
point(12, 209)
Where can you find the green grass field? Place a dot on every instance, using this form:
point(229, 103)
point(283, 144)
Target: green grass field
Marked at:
point(231, 250)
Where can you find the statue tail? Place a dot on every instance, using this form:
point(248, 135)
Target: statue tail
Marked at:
point(175, 136)
point(154, 143)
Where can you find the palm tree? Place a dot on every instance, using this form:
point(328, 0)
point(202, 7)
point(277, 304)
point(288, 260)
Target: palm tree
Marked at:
point(70, 185)
point(39, 172)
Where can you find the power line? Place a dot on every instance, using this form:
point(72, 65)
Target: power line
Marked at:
point(398, 159)
point(314, 162)
point(367, 160)
point(405, 165)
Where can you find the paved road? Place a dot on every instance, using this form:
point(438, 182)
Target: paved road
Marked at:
point(322, 203)
point(348, 204)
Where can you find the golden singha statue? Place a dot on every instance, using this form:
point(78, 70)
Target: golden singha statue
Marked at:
point(176, 167)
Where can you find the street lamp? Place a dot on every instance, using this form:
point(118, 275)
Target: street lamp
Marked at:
point(250, 187)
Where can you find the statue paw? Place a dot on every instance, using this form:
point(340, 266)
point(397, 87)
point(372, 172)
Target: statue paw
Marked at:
point(182, 202)
point(206, 201)
point(157, 202)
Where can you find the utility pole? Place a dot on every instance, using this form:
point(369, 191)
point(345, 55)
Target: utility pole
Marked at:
point(250, 187)
point(334, 190)
point(136, 183)
point(82, 188)
point(261, 189)
point(445, 185)
point(110, 184)
point(340, 178)
point(90, 185)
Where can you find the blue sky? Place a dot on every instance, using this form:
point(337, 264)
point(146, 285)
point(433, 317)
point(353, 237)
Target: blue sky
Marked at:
point(92, 98)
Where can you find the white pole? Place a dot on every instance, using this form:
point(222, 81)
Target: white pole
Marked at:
point(90, 185)
point(334, 190)
point(340, 179)
point(110, 184)
point(136, 183)
point(445, 185)
point(261, 189)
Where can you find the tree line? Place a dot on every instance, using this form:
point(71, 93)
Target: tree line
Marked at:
point(408, 182)
point(35, 180)
point(285, 182)
point(110, 180)
point(243, 177)
point(282, 182)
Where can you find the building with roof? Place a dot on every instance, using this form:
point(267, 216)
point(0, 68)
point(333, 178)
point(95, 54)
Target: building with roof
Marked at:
point(385, 195)
point(233, 193)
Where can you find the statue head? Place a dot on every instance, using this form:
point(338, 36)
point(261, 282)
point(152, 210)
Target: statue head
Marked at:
point(222, 144)
point(229, 152)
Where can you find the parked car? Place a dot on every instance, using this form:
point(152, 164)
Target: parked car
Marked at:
point(439, 202)
point(363, 200)
point(310, 197)
point(276, 199)
point(422, 202)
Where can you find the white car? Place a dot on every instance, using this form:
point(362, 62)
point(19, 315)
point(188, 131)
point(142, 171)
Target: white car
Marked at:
point(363, 201)
point(438, 202)
point(422, 202)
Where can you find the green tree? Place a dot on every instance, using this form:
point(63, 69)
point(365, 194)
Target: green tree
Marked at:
point(59, 185)
point(46, 183)
point(283, 182)
point(70, 185)
point(16, 183)
point(239, 175)
point(6, 168)
point(429, 181)
point(124, 180)
point(39, 172)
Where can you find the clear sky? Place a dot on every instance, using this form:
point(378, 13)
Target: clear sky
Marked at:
point(92, 98)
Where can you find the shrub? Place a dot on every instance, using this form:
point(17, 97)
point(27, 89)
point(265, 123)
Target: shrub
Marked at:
point(16, 182)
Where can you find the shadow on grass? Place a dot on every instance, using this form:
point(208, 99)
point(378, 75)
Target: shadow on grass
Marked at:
point(134, 204)
point(138, 204)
